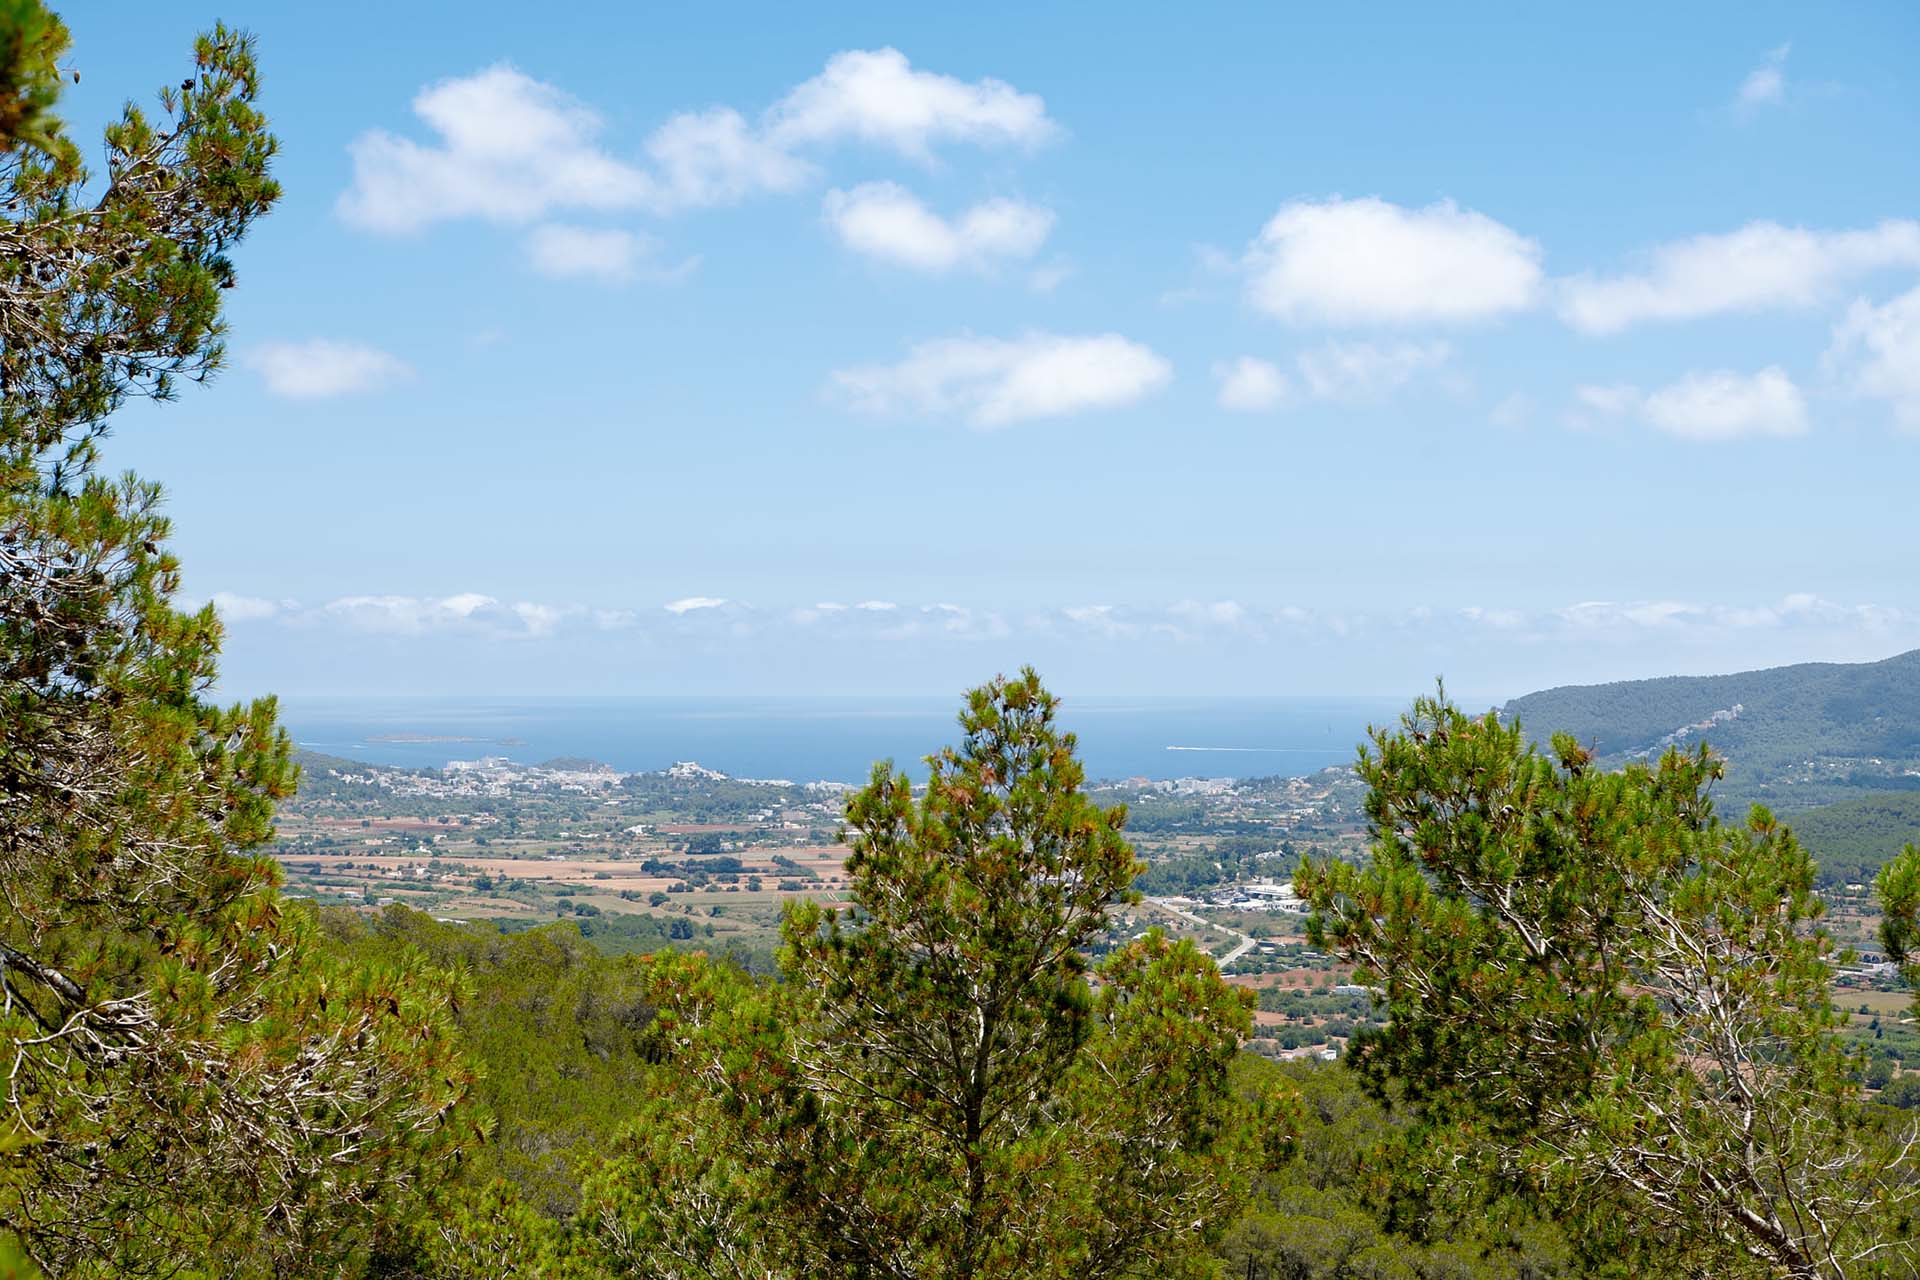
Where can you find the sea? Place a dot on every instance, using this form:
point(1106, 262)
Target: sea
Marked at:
point(808, 739)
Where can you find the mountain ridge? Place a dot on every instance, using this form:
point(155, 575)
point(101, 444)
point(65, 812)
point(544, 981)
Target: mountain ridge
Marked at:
point(1794, 737)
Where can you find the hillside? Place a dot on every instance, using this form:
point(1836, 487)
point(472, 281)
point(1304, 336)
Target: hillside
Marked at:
point(1852, 838)
point(1794, 737)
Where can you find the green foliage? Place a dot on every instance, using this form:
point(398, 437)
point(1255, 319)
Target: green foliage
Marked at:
point(1898, 885)
point(31, 42)
point(1857, 723)
point(1851, 839)
point(1228, 860)
point(1327, 1209)
point(1601, 995)
point(1903, 1093)
point(557, 1031)
point(936, 1089)
point(182, 1053)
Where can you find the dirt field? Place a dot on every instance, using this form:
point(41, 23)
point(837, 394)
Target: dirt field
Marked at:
point(600, 881)
point(1881, 1003)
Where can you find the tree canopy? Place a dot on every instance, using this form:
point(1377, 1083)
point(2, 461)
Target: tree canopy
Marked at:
point(941, 1086)
point(1601, 994)
point(193, 1086)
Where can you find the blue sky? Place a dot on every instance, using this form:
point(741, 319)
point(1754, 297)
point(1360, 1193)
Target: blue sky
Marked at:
point(1232, 349)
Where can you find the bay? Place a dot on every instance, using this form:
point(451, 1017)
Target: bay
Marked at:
point(804, 739)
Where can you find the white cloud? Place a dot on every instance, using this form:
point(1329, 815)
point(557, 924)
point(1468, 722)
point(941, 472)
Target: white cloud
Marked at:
point(602, 253)
point(1877, 351)
point(948, 620)
point(1800, 609)
point(1761, 266)
point(1711, 406)
point(1361, 372)
point(410, 615)
point(876, 96)
point(1368, 262)
point(238, 608)
point(320, 367)
point(715, 157)
point(994, 382)
point(509, 149)
point(1217, 613)
point(1250, 385)
point(540, 619)
point(429, 621)
point(1766, 84)
point(1723, 405)
point(886, 221)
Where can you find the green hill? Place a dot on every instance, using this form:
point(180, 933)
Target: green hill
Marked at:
point(1852, 838)
point(1794, 737)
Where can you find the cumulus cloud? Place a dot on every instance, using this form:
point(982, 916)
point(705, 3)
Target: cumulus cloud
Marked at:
point(320, 368)
point(1364, 372)
point(943, 619)
point(410, 614)
point(601, 253)
point(607, 254)
point(1249, 385)
point(1497, 619)
point(1369, 262)
point(1213, 613)
point(715, 157)
point(239, 608)
point(1762, 266)
point(884, 220)
point(1723, 405)
point(539, 619)
point(1876, 352)
point(507, 148)
point(693, 604)
point(1800, 609)
point(1715, 405)
point(878, 97)
point(1766, 84)
point(1216, 625)
point(995, 382)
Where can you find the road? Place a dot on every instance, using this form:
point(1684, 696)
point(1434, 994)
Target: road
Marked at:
point(1240, 948)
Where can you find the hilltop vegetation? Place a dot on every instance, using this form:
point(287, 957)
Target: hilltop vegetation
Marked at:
point(1793, 737)
point(1853, 838)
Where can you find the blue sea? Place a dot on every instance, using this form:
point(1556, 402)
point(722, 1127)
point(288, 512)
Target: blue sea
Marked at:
point(829, 739)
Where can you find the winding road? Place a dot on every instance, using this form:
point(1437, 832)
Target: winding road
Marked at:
point(1240, 948)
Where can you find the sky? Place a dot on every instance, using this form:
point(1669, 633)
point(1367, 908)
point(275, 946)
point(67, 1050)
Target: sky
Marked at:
point(1214, 349)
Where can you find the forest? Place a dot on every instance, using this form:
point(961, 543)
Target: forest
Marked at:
point(1610, 1046)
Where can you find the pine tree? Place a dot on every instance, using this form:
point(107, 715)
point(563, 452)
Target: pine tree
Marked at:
point(191, 1088)
point(1603, 996)
point(942, 1085)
